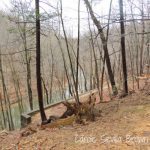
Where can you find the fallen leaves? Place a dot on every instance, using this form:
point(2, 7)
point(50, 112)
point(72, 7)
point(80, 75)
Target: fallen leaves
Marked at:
point(32, 143)
point(111, 123)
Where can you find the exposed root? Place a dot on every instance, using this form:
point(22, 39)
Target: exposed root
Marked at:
point(84, 112)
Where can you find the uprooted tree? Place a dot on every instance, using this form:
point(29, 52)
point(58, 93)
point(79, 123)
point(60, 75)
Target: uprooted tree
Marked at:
point(86, 111)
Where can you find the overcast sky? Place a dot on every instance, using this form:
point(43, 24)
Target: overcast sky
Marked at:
point(70, 15)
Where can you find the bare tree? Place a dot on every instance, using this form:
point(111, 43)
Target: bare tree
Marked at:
point(65, 65)
point(6, 98)
point(125, 79)
point(38, 63)
point(78, 50)
point(69, 55)
point(143, 39)
point(3, 122)
point(105, 48)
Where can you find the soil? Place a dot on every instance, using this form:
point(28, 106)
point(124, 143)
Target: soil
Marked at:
point(124, 125)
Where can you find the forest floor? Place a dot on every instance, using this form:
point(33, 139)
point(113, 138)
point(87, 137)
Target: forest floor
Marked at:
point(124, 125)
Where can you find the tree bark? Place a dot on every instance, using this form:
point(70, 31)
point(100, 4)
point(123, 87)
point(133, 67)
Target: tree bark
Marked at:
point(123, 51)
point(38, 63)
point(105, 48)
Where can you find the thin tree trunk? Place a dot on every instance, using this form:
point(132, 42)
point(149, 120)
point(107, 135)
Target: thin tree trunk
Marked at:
point(16, 85)
point(78, 50)
point(142, 41)
point(52, 75)
point(6, 98)
point(136, 46)
point(69, 55)
point(45, 89)
point(2, 110)
point(23, 34)
point(65, 66)
point(85, 80)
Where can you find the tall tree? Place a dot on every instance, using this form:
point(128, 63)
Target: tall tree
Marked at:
point(123, 51)
point(38, 63)
point(143, 39)
point(69, 55)
point(78, 50)
point(105, 48)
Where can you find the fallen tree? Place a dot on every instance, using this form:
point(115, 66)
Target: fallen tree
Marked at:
point(86, 111)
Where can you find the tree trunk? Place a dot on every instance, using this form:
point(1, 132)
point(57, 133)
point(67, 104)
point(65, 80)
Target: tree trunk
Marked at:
point(77, 58)
point(70, 60)
point(38, 63)
point(125, 82)
point(105, 48)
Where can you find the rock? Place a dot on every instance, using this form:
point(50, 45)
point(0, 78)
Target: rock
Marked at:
point(25, 120)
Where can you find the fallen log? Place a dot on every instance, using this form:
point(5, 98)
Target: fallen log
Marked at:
point(75, 113)
point(60, 122)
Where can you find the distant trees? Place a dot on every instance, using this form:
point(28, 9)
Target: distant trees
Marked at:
point(20, 17)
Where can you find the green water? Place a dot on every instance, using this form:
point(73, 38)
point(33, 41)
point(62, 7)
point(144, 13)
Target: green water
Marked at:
point(16, 112)
point(56, 97)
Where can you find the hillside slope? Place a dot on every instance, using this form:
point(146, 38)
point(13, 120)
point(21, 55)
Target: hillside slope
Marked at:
point(125, 124)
